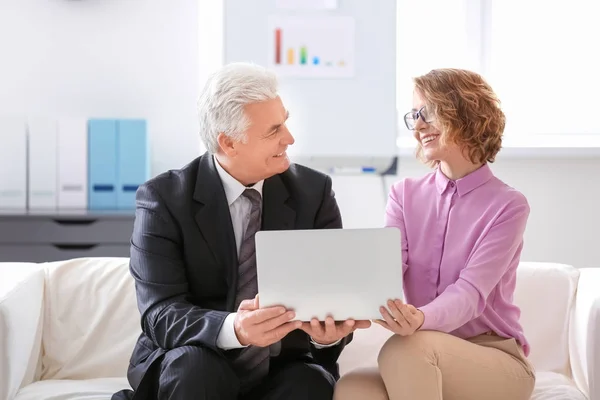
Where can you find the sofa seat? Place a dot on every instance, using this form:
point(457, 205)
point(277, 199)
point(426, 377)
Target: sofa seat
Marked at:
point(549, 386)
point(71, 389)
point(554, 386)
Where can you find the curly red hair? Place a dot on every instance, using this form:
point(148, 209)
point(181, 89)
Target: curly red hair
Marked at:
point(466, 110)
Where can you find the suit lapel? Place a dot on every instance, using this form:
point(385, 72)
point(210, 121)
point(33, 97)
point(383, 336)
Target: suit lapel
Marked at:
point(213, 216)
point(278, 209)
point(214, 219)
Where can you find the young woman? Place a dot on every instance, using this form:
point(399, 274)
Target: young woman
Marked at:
point(458, 337)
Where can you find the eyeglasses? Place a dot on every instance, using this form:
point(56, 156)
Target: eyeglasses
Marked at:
point(410, 119)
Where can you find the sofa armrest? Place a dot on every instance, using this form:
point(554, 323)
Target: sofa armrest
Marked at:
point(21, 318)
point(594, 350)
point(584, 341)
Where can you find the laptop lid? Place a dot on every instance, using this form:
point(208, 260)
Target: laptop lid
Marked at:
point(345, 273)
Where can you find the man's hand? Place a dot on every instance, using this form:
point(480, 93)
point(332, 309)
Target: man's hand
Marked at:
point(402, 319)
point(330, 331)
point(262, 327)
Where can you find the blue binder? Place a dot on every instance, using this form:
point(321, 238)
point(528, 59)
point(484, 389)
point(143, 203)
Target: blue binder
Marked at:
point(133, 160)
point(102, 164)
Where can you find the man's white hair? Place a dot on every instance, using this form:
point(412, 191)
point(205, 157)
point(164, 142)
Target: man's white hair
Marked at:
point(226, 92)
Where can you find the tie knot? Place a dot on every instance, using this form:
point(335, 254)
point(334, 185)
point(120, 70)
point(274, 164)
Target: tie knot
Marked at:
point(253, 196)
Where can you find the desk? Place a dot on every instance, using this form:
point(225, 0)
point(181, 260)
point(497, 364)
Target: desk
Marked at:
point(39, 236)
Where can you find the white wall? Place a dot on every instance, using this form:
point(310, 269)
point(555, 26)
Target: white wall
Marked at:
point(118, 58)
point(140, 58)
point(564, 195)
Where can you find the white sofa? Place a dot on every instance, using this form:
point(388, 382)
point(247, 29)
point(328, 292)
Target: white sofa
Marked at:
point(67, 329)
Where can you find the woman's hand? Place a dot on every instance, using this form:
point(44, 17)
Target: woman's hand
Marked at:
point(402, 319)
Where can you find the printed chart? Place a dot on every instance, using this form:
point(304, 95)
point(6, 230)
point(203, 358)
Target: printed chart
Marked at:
point(317, 47)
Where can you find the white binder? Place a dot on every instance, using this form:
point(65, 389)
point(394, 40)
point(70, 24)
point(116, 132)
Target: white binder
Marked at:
point(43, 163)
point(13, 163)
point(72, 163)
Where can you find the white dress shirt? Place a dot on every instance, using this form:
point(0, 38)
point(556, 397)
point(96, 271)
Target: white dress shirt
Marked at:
point(239, 208)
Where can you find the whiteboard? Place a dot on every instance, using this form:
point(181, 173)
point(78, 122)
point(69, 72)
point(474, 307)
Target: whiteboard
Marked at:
point(346, 119)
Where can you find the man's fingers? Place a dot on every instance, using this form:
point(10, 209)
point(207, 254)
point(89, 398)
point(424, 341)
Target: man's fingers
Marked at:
point(279, 333)
point(316, 327)
point(248, 305)
point(330, 327)
point(306, 327)
point(363, 324)
point(263, 314)
point(348, 326)
point(273, 323)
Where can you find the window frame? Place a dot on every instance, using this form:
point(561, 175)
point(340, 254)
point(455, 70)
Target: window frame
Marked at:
point(479, 43)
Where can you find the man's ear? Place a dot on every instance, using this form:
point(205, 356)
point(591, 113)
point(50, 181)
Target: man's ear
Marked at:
point(227, 144)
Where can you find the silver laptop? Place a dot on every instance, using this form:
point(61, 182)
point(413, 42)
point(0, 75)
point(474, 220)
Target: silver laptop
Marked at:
point(345, 273)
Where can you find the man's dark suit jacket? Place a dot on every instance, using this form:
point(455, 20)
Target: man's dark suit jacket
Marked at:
point(184, 260)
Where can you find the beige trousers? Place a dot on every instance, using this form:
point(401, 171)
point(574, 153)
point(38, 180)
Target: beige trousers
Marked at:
point(431, 365)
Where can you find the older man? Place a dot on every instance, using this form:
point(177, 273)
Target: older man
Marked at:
point(193, 259)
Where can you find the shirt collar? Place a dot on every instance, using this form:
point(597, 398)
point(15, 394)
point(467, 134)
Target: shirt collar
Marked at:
point(465, 184)
point(233, 188)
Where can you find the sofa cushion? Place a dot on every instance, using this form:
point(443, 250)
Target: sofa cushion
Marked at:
point(91, 319)
point(21, 316)
point(553, 386)
point(88, 389)
point(545, 293)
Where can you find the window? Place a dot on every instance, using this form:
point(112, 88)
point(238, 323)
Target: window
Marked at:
point(539, 56)
point(431, 34)
point(543, 63)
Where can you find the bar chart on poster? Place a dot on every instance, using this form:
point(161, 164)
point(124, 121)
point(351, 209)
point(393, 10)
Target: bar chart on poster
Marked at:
point(312, 47)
